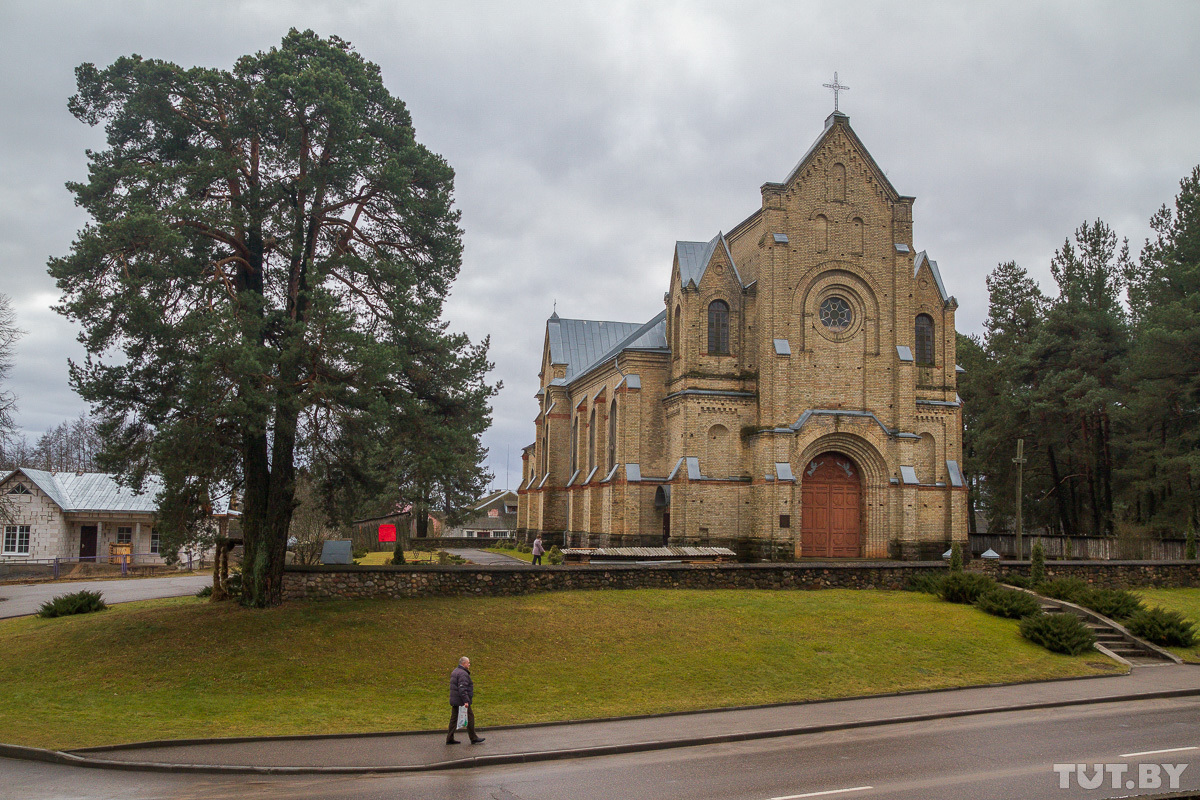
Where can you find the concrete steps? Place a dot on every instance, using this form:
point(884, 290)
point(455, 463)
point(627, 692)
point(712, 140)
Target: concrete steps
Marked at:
point(1111, 637)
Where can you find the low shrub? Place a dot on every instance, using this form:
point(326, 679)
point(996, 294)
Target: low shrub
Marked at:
point(554, 555)
point(1059, 633)
point(929, 584)
point(965, 587)
point(82, 602)
point(1018, 580)
point(1115, 604)
point(1162, 627)
point(205, 592)
point(1010, 603)
point(1073, 590)
point(360, 553)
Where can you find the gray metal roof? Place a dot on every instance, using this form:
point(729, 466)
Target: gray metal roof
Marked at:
point(94, 491)
point(904, 352)
point(583, 344)
point(933, 267)
point(694, 258)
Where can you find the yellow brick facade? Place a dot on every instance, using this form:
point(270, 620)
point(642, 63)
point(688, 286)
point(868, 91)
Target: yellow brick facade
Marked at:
point(811, 333)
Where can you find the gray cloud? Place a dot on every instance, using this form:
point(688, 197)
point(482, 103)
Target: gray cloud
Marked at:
point(587, 140)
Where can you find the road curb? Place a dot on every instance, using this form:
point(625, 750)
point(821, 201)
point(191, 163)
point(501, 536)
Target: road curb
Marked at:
point(75, 759)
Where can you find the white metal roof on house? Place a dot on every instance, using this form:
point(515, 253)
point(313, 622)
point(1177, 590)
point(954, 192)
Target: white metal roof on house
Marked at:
point(94, 491)
point(99, 492)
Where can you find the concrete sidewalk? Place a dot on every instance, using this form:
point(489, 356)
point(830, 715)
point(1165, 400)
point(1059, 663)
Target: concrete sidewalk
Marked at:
point(418, 751)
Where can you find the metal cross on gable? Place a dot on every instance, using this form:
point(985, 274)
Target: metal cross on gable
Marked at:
point(836, 87)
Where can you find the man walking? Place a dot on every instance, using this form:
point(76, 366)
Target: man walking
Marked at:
point(538, 550)
point(462, 691)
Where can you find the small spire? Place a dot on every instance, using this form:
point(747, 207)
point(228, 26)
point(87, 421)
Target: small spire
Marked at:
point(554, 313)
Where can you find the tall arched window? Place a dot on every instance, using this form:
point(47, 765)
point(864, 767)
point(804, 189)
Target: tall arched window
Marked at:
point(545, 446)
point(574, 444)
point(924, 339)
point(676, 341)
point(592, 440)
point(612, 434)
point(718, 328)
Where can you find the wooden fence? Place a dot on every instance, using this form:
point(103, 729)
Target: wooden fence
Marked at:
point(1094, 548)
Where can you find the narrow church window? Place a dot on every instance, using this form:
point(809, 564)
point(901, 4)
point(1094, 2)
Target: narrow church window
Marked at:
point(837, 182)
point(612, 434)
point(924, 339)
point(821, 234)
point(856, 236)
point(718, 328)
point(836, 314)
point(574, 444)
point(592, 440)
point(677, 345)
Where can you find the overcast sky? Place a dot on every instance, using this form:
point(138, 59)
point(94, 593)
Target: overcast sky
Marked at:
point(588, 137)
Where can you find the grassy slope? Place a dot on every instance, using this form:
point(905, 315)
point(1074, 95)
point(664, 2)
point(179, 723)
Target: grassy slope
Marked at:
point(184, 667)
point(1186, 601)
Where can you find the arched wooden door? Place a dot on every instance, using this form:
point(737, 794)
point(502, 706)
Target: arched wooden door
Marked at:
point(831, 497)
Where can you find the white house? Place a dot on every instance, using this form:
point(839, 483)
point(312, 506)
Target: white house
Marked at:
point(80, 515)
point(493, 517)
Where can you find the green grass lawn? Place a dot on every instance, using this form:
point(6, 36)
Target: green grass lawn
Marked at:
point(1185, 601)
point(185, 667)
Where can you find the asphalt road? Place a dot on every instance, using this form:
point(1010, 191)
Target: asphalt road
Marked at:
point(998, 756)
point(25, 598)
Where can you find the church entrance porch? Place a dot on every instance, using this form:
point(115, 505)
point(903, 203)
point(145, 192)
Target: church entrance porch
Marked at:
point(831, 498)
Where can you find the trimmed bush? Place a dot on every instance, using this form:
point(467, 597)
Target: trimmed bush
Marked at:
point(1018, 580)
point(1115, 604)
point(554, 555)
point(956, 557)
point(1073, 590)
point(1010, 603)
point(1037, 562)
point(81, 602)
point(929, 584)
point(205, 592)
point(1059, 633)
point(1162, 627)
point(965, 587)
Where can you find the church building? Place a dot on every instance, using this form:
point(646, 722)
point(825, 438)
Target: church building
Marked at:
point(794, 398)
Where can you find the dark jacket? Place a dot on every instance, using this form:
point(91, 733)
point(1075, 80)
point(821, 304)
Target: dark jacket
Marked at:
point(462, 689)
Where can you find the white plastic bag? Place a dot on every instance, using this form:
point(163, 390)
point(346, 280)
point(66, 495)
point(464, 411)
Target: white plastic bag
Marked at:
point(462, 717)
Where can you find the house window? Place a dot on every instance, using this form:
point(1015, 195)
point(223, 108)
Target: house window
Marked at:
point(124, 535)
point(20, 488)
point(718, 328)
point(785, 520)
point(924, 339)
point(510, 509)
point(16, 540)
point(155, 541)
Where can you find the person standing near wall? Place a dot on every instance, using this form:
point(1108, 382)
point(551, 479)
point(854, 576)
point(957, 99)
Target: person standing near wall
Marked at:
point(538, 549)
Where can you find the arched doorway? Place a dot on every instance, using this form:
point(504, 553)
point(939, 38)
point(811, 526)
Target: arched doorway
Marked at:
point(831, 497)
point(662, 504)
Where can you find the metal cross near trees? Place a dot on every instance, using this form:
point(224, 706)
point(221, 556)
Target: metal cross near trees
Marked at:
point(1020, 462)
point(836, 87)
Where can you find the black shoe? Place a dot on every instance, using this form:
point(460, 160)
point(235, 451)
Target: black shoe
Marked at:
point(477, 741)
point(452, 741)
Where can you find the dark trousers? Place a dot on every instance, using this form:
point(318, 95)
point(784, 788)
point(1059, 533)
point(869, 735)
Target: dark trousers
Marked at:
point(454, 723)
point(537, 559)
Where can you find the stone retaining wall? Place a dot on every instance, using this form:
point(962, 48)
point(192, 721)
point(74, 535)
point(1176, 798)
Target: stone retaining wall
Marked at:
point(1106, 574)
point(466, 581)
point(441, 581)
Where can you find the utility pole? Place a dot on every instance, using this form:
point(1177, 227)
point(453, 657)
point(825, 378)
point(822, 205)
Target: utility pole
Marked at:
point(1020, 462)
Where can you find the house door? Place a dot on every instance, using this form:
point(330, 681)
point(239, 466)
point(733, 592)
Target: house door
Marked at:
point(831, 494)
point(87, 541)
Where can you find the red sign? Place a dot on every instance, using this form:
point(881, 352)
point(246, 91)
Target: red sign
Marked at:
point(387, 533)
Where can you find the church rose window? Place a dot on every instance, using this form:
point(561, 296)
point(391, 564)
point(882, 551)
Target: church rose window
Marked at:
point(836, 314)
point(718, 328)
